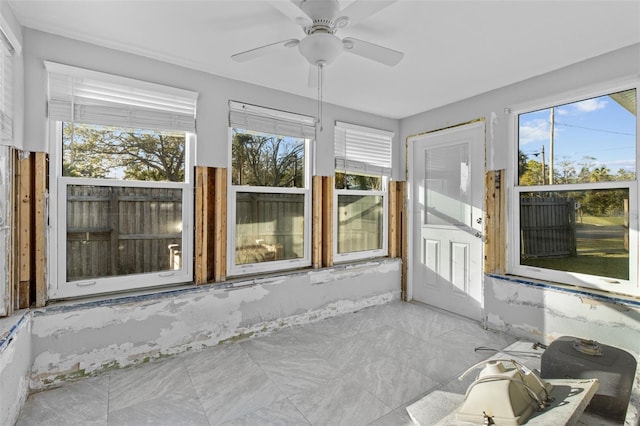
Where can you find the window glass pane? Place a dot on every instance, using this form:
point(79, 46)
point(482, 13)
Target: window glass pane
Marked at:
point(360, 223)
point(269, 227)
point(261, 159)
point(593, 140)
point(576, 231)
point(448, 185)
point(358, 182)
point(114, 231)
point(93, 151)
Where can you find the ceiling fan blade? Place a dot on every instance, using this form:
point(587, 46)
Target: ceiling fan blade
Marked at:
point(263, 50)
point(362, 9)
point(372, 51)
point(291, 10)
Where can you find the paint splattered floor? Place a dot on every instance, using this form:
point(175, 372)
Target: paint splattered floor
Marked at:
point(362, 368)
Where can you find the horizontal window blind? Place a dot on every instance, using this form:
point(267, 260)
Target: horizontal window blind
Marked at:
point(362, 150)
point(6, 92)
point(271, 121)
point(90, 97)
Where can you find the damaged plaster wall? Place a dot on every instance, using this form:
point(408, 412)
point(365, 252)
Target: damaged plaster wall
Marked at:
point(542, 313)
point(71, 341)
point(15, 365)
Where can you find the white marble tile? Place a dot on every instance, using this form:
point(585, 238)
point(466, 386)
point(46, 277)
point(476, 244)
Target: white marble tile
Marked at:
point(78, 403)
point(275, 347)
point(322, 345)
point(394, 383)
point(132, 386)
point(293, 375)
point(339, 402)
point(398, 417)
point(166, 410)
point(210, 369)
point(280, 413)
point(238, 396)
point(442, 361)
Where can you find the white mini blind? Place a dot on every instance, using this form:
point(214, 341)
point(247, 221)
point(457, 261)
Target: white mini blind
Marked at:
point(6, 92)
point(91, 97)
point(271, 121)
point(363, 150)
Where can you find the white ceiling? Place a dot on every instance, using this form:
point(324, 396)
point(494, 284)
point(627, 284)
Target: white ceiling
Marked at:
point(453, 49)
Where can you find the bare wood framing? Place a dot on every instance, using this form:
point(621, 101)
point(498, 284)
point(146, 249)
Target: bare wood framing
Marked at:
point(401, 197)
point(316, 222)
point(25, 226)
point(394, 241)
point(327, 220)
point(220, 224)
point(40, 213)
point(495, 224)
point(203, 217)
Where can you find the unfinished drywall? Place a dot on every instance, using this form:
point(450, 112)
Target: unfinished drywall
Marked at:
point(71, 341)
point(15, 365)
point(543, 312)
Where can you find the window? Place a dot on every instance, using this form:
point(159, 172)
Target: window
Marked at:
point(121, 183)
point(6, 169)
point(575, 199)
point(363, 165)
point(269, 196)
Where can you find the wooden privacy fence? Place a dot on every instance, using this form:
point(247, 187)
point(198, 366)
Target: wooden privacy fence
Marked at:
point(269, 227)
point(122, 230)
point(547, 227)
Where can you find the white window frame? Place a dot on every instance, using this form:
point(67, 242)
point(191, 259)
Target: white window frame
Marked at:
point(363, 254)
point(9, 48)
point(58, 286)
point(605, 284)
point(275, 265)
point(358, 162)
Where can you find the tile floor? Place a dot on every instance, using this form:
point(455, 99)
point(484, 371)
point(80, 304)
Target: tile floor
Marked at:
point(361, 368)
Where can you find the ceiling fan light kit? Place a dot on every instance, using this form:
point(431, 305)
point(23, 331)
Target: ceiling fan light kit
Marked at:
point(320, 21)
point(320, 48)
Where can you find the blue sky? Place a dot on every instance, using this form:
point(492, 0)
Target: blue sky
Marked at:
point(597, 127)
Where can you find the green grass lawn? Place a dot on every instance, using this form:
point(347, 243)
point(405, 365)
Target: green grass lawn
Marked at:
point(604, 256)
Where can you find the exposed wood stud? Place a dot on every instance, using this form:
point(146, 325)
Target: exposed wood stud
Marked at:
point(220, 224)
point(401, 197)
point(394, 249)
point(201, 249)
point(40, 218)
point(25, 227)
point(316, 222)
point(327, 220)
point(495, 226)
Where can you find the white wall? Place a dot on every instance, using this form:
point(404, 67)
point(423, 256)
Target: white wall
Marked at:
point(528, 309)
point(616, 65)
point(215, 92)
point(15, 365)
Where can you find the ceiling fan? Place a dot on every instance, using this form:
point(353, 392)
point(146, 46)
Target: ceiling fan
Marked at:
point(320, 20)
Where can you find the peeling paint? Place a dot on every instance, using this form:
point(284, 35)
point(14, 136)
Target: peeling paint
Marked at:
point(540, 311)
point(90, 338)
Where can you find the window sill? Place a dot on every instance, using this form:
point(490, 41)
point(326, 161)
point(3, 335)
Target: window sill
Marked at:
point(604, 296)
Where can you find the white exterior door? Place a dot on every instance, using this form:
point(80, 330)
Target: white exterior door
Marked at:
point(446, 178)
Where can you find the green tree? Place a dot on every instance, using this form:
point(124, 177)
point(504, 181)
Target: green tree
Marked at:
point(533, 175)
point(267, 160)
point(102, 152)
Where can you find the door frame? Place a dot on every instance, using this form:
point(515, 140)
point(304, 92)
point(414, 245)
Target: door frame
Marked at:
point(481, 122)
